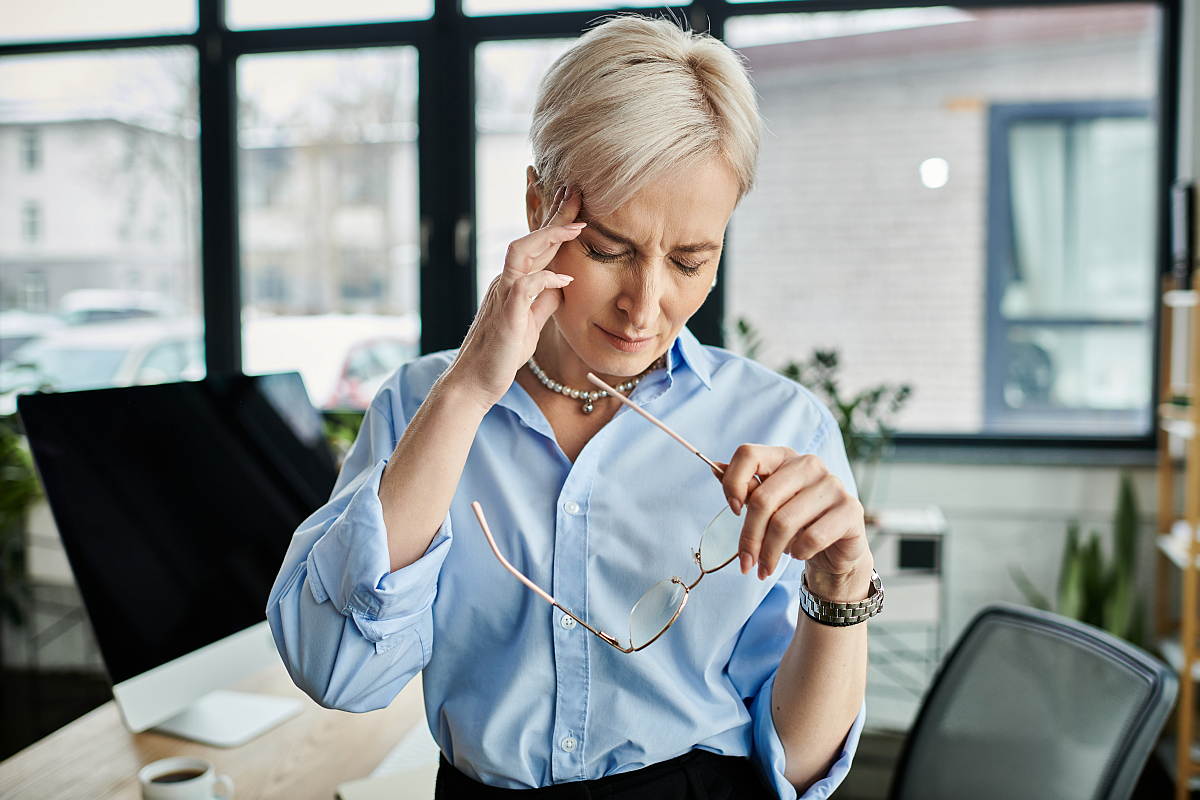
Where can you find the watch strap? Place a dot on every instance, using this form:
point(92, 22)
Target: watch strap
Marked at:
point(841, 615)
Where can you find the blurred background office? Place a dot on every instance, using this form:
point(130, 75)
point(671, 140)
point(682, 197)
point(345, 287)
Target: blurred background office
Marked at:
point(960, 239)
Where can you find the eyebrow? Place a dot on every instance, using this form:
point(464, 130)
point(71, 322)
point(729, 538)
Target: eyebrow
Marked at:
point(696, 247)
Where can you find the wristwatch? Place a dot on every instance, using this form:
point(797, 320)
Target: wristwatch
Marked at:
point(841, 614)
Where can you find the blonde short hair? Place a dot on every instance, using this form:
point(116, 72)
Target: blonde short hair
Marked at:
point(636, 98)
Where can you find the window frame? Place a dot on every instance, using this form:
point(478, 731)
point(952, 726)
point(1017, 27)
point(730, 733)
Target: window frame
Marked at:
point(1000, 246)
point(445, 46)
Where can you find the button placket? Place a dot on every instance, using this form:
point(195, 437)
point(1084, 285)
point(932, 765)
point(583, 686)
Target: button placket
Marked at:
point(570, 648)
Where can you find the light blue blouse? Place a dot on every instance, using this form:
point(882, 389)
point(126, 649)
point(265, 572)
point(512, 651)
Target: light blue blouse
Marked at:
point(514, 696)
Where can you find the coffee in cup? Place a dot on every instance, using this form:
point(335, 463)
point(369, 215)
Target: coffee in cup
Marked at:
point(183, 778)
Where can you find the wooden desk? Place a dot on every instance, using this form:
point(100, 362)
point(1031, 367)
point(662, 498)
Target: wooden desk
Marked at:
point(307, 756)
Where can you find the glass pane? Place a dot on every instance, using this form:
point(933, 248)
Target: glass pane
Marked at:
point(1083, 237)
point(330, 247)
point(241, 14)
point(506, 79)
point(1089, 368)
point(62, 20)
point(485, 7)
point(99, 220)
point(868, 229)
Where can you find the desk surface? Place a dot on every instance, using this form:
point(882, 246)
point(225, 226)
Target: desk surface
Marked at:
point(307, 756)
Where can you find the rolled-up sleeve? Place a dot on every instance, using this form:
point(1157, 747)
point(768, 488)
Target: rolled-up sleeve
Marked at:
point(352, 632)
point(755, 660)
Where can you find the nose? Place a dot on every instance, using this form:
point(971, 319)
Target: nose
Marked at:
point(641, 297)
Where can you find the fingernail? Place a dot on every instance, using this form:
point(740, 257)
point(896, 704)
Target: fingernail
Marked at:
point(576, 225)
point(762, 571)
point(744, 558)
point(736, 505)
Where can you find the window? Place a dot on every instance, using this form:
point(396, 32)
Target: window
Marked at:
point(1071, 266)
point(265, 171)
point(506, 76)
point(115, 217)
point(83, 19)
point(485, 7)
point(31, 221)
point(328, 210)
point(872, 229)
point(273, 14)
point(31, 150)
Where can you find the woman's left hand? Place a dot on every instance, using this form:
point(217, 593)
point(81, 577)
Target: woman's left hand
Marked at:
point(801, 508)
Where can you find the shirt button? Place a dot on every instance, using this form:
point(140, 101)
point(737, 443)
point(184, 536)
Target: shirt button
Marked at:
point(571, 507)
point(567, 622)
point(568, 743)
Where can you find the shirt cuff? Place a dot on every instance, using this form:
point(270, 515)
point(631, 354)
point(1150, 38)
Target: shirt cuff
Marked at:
point(769, 756)
point(350, 565)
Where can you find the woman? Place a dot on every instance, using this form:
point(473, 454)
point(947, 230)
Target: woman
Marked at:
point(649, 134)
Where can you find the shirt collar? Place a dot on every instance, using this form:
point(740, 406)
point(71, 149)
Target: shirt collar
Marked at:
point(688, 350)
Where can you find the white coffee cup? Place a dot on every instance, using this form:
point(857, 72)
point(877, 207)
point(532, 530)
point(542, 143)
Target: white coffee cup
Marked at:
point(168, 779)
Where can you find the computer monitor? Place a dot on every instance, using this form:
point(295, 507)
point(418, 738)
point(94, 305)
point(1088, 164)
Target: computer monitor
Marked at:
point(175, 504)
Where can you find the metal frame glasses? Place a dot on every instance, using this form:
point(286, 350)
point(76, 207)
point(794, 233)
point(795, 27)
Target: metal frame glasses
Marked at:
point(662, 603)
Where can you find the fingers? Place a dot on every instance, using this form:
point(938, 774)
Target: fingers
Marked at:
point(536, 249)
point(832, 525)
point(565, 206)
point(747, 461)
point(527, 288)
point(792, 526)
point(777, 489)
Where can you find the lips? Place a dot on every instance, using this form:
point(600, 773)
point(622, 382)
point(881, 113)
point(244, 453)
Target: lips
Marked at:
point(623, 344)
point(631, 339)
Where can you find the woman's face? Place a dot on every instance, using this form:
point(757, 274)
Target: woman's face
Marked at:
point(642, 271)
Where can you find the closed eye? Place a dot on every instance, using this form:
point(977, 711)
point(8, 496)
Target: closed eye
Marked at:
point(605, 257)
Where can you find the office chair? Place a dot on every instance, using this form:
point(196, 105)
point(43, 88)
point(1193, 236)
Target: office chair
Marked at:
point(1032, 704)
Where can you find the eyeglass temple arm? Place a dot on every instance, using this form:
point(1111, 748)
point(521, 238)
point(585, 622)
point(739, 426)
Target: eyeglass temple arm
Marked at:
point(595, 380)
point(478, 509)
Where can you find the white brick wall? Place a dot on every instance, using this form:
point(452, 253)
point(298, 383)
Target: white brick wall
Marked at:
point(840, 245)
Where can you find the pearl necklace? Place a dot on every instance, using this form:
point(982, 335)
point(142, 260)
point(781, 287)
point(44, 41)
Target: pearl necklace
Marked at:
point(589, 398)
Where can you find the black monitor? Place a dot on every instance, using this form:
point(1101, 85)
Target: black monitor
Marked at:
point(176, 503)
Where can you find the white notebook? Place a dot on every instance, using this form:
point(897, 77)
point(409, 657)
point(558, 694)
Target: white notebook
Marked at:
point(407, 772)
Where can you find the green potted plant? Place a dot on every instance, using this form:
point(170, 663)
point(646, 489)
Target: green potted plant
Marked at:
point(341, 428)
point(862, 417)
point(1091, 588)
point(19, 489)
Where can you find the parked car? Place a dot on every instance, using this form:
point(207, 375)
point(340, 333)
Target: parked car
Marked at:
point(103, 354)
point(84, 306)
point(343, 359)
point(20, 327)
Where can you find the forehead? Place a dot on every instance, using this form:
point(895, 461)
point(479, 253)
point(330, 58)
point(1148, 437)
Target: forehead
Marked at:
point(691, 206)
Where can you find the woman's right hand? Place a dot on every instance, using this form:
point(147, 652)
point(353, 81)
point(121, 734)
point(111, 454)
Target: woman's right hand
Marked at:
point(506, 328)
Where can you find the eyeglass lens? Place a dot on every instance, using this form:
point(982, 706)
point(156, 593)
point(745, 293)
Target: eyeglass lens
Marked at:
point(653, 612)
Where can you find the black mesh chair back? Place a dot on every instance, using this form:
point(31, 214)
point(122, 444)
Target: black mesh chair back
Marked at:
point(1033, 704)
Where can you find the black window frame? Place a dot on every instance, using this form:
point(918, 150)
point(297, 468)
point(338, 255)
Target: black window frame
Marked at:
point(445, 46)
point(1001, 259)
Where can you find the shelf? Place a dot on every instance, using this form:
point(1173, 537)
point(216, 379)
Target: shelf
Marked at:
point(1166, 756)
point(1175, 549)
point(1172, 652)
point(1182, 428)
point(1179, 298)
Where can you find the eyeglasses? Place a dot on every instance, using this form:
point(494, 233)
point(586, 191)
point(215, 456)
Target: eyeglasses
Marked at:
point(663, 602)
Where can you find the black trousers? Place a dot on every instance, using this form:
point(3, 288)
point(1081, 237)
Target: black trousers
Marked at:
point(695, 775)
